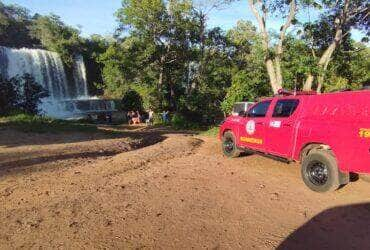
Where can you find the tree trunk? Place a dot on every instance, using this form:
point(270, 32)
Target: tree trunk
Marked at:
point(160, 81)
point(272, 75)
point(339, 22)
point(202, 40)
point(273, 68)
point(308, 84)
point(320, 78)
point(279, 76)
point(279, 46)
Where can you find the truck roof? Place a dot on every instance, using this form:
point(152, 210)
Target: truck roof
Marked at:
point(300, 94)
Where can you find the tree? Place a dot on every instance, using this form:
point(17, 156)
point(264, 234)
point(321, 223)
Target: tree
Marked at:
point(148, 21)
point(273, 53)
point(297, 63)
point(341, 16)
point(93, 48)
point(249, 76)
point(162, 34)
point(56, 36)
point(20, 92)
point(132, 101)
point(202, 9)
point(30, 94)
point(8, 95)
point(14, 26)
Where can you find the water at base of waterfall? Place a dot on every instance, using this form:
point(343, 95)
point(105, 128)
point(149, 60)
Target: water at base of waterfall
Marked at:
point(75, 108)
point(67, 99)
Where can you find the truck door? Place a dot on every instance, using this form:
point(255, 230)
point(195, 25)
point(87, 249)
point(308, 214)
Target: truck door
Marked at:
point(252, 127)
point(281, 127)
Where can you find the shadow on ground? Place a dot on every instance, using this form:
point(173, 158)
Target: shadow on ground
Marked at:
point(35, 151)
point(13, 138)
point(346, 227)
point(21, 165)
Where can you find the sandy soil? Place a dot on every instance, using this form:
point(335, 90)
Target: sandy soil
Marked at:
point(159, 189)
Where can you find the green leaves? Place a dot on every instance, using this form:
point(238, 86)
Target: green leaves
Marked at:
point(56, 36)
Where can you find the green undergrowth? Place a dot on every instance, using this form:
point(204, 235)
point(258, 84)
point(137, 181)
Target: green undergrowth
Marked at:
point(40, 124)
point(212, 131)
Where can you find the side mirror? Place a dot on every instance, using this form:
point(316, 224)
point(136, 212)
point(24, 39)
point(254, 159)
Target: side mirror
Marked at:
point(242, 113)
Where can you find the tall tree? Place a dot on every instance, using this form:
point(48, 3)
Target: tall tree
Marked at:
point(148, 20)
point(203, 8)
point(249, 76)
point(273, 52)
point(15, 22)
point(56, 36)
point(342, 16)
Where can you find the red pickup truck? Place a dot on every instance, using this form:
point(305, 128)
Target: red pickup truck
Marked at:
point(329, 134)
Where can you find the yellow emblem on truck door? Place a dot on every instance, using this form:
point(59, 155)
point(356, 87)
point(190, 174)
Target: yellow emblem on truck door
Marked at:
point(364, 132)
point(251, 140)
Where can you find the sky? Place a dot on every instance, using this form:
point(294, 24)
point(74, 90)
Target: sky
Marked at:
point(97, 16)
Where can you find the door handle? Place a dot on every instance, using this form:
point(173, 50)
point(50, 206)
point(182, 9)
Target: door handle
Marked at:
point(287, 124)
point(259, 123)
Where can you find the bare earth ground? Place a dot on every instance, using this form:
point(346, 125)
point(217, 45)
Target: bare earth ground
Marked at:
point(77, 190)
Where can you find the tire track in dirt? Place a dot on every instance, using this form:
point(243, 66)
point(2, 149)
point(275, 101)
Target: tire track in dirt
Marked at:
point(178, 193)
point(43, 210)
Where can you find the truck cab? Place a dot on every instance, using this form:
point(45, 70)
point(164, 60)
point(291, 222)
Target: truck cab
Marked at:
point(310, 129)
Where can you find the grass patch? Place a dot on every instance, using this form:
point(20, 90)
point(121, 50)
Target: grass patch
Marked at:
point(39, 124)
point(212, 132)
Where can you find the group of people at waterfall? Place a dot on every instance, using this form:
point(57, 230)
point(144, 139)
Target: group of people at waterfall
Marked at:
point(135, 117)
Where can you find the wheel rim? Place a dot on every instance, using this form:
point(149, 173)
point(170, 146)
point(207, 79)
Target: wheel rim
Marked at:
point(318, 173)
point(228, 145)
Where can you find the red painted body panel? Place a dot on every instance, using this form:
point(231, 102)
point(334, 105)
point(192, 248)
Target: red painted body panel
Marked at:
point(340, 120)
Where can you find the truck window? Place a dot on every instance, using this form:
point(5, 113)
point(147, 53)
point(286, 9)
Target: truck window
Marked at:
point(260, 109)
point(285, 108)
point(238, 107)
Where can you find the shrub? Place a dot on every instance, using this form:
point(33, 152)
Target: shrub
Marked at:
point(132, 101)
point(30, 94)
point(20, 92)
point(8, 96)
point(39, 124)
point(179, 121)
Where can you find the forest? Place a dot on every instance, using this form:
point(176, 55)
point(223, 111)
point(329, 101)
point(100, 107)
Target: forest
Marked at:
point(166, 55)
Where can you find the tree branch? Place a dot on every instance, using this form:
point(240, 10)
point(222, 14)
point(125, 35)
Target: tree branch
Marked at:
point(288, 22)
point(261, 23)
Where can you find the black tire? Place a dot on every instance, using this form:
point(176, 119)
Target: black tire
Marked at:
point(320, 171)
point(229, 147)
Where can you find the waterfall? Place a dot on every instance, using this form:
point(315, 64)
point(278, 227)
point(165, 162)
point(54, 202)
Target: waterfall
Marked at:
point(79, 76)
point(47, 68)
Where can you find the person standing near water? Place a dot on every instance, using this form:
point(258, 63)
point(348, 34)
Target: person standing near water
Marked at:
point(150, 119)
point(165, 116)
point(129, 117)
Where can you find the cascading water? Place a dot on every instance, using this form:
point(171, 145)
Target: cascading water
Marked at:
point(66, 99)
point(79, 76)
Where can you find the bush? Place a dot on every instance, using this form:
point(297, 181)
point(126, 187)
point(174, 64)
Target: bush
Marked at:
point(30, 94)
point(8, 96)
point(39, 124)
point(212, 132)
point(22, 93)
point(132, 101)
point(179, 121)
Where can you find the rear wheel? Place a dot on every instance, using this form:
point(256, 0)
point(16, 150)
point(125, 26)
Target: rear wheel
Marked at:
point(229, 147)
point(320, 171)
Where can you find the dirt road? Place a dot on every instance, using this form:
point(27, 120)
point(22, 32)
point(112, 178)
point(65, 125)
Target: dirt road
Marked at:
point(159, 189)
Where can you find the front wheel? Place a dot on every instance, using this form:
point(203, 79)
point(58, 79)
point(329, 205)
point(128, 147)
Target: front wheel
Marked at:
point(229, 147)
point(320, 171)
